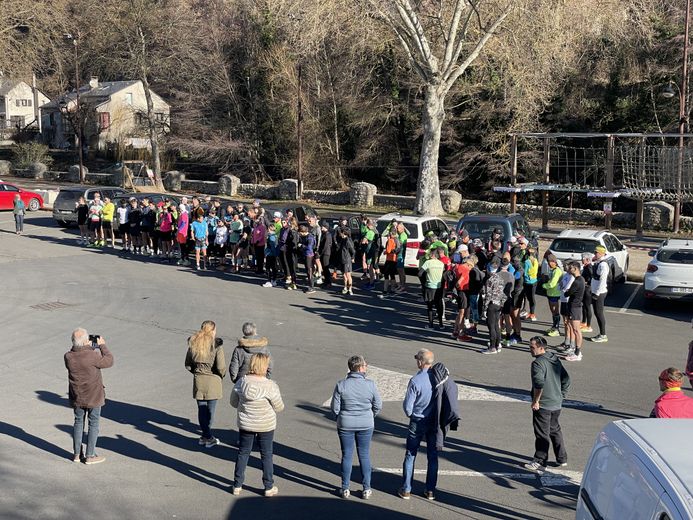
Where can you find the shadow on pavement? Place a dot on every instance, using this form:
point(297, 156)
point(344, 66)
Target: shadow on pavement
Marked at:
point(18, 433)
point(305, 507)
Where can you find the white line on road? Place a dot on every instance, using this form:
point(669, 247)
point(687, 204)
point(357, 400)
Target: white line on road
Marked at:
point(630, 299)
point(553, 478)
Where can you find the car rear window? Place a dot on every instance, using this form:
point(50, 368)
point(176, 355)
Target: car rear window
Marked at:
point(412, 228)
point(482, 229)
point(674, 256)
point(573, 245)
point(67, 195)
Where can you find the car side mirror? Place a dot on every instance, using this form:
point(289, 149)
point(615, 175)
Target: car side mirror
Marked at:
point(652, 253)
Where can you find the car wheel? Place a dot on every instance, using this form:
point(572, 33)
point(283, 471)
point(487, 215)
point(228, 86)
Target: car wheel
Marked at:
point(34, 205)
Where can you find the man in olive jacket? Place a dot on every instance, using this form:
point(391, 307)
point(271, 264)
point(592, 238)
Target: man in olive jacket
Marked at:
point(550, 384)
point(87, 395)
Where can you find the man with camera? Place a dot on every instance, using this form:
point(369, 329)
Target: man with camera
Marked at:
point(84, 362)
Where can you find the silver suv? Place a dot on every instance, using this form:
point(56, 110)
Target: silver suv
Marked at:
point(64, 206)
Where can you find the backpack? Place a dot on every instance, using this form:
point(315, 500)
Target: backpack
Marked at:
point(450, 278)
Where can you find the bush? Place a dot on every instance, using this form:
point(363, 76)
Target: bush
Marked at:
point(27, 153)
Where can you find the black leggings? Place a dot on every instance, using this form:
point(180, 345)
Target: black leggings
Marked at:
point(529, 294)
point(309, 270)
point(493, 322)
point(587, 307)
point(598, 305)
point(259, 258)
point(271, 264)
point(438, 304)
point(184, 251)
point(289, 265)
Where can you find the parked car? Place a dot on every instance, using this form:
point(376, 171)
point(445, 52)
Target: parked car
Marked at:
point(670, 272)
point(64, 205)
point(482, 226)
point(571, 243)
point(639, 468)
point(154, 197)
point(32, 201)
point(301, 212)
point(418, 227)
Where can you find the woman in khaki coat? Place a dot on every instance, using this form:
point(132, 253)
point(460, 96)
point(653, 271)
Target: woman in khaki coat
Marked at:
point(205, 359)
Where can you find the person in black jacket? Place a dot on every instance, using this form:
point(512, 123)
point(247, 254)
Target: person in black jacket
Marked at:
point(445, 396)
point(575, 294)
point(586, 325)
point(345, 255)
point(325, 253)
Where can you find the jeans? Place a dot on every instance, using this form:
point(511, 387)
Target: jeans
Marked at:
point(493, 323)
point(19, 223)
point(78, 431)
point(598, 306)
point(418, 429)
point(546, 428)
point(363, 446)
point(205, 415)
point(245, 446)
point(474, 307)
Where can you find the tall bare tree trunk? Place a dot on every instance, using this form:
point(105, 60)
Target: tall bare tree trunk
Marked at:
point(428, 186)
point(153, 134)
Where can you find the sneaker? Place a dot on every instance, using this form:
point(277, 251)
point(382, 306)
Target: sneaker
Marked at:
point(293, 287)
point(212, 442)
point(344, 493)
point(350, 292)
point(77, 458)
point(512, 340)
point(553, 333)
point(319, 280)
point(600, 339)
point(561, 464)
point(202, 440)
point(367, 494)
point(383, 295)
point(428, 495)
point(271, 492)
point(267, 284)
point(197, 267)
point(535, 467)
point(94, 460)
point(585, 328)
point(532, 317)
point(310, 290)
point(574, 357)
point(406, 495)
point(236, 491)
point(562, 348)
point(524, 315)
point(489, 350)
point(289, 287)
point(345, 290)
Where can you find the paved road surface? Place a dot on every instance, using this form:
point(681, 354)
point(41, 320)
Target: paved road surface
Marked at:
point(154, 467)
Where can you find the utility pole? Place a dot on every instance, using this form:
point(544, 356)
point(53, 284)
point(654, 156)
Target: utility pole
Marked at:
point(78, 120)
point(299, 131)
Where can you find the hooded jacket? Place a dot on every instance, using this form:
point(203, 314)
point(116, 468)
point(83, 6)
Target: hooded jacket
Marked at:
point(84, 366)
point(445, 397)
point(240, 359)
point(258, 400)
point(549, 376)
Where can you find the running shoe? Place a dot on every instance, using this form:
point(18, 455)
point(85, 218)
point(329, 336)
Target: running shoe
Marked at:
point(310, 290)
point(367, 494)
point(524, 314)
point(267, 284)
point(351, 293)
point(585, 328)
point(344, 493)
point(532, 317)
point(345, 290)
point(601, 338)
point(489, 351)
point(535, 467)
point(574, 357)
point(553, 333)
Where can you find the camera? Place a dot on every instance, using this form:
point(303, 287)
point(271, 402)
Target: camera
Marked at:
point(218, 342)
point(94, 338)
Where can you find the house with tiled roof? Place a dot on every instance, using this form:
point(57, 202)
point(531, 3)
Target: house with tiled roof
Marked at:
point(113, 115)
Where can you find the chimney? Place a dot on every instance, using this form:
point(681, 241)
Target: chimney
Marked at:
point(94, 82)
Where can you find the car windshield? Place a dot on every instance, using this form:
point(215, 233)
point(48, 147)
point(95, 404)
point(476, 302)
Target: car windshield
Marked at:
point(382, 224)
point(482, 228)
point(68, 195)
point(573, 245)
point(676, 256)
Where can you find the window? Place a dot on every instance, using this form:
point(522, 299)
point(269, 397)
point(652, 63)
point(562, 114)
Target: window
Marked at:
point(140, 119)
point(9, 187)
point(676, 256)
point(104, 120)
point(128, 98)
point(160, 117)
point(573, 245)
point(611, 243)
point(18, 102)
point(26, 102)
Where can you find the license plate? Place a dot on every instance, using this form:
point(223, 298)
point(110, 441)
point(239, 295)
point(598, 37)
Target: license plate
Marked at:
point(682, 290)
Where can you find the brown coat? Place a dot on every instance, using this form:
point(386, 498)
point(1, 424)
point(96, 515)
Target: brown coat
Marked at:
point(84, 366)
point(208, 374)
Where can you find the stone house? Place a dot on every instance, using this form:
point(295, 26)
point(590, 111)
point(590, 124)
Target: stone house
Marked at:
point(114, 115)
point(19, 105)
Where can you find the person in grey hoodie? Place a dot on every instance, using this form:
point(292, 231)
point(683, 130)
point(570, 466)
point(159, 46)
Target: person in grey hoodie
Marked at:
point(248, 345)
point(258, 400)
point(550, 384)
point(355, 403)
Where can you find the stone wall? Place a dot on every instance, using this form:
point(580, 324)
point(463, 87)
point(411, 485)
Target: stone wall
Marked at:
point(327, 197)
point(394, 201)
point(259, 191)
point(203, 187)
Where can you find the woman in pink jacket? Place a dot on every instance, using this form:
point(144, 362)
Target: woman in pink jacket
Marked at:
point(259, 241)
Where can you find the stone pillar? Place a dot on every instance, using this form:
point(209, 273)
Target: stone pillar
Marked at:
point(362, 194)
point(5, 167)
point(73, 173)
point(228, 185)
point(172, 180)
point(288, 189)
point(37, 170)
point(451, 201)
point(658, 215)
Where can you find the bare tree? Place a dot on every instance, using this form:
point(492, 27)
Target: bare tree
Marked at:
point(441, 39)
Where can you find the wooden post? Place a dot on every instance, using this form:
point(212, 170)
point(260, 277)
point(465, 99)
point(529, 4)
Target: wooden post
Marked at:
point(639, 217)
point(609, 177)
point(641, 184)
point(513, 174)
point(545, 193)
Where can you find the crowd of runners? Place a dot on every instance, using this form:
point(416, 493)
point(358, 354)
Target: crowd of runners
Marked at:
point(489, 280)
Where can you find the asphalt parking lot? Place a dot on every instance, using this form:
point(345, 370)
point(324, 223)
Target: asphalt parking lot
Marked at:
point(154, 467)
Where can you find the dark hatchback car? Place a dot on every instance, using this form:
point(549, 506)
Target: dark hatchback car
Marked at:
point(482, 226)
point(66, 202)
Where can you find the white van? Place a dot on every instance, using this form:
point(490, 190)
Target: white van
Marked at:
point(639, 469)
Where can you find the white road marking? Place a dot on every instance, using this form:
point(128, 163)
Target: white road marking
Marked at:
point(630, 299)
point(393, 386)
point(627, 313)
point(551, 478)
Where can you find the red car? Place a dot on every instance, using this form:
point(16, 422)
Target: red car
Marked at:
point(33, 201)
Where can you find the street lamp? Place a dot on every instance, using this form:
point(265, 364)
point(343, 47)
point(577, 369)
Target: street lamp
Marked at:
point(683, 119)
point(78, 131)
point(297, 19)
